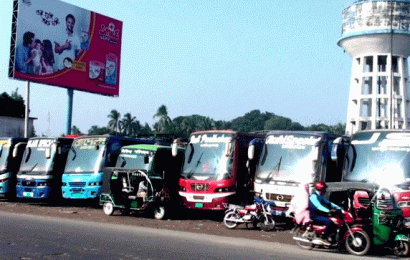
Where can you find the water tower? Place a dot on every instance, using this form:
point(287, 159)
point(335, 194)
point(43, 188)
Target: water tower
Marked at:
point(376, 34)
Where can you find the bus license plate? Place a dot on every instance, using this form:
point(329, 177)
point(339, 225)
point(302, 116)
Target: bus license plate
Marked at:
point(199, 205)
point(28, 194)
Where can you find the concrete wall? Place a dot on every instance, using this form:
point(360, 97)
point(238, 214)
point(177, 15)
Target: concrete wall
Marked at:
point(14, 126)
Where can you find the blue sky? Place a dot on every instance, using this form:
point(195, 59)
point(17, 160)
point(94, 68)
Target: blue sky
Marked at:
point(219, 59)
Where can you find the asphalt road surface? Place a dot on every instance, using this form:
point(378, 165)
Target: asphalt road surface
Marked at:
point(32, 230)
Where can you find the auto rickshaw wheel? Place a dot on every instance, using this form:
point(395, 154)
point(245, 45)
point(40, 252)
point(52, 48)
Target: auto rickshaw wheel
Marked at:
point(402, 248)
point(108, 208)
point(159, 212)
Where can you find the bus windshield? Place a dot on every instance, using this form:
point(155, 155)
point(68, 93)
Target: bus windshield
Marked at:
point(35, 160)
point(86, 155)
point(379, 157)
point(209, 157)
point(135, 159)
point(4, 154)
point(288, 158)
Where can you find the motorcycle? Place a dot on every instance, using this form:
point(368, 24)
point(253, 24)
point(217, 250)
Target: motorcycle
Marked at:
point(353, 235)
point(256, 214)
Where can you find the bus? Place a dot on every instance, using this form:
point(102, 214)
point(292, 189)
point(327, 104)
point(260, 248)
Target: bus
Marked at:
point(42, 167)
point(11, 153)
point(87, 158)
point(215, 171)
point(152, 164)
point(291, 158)
point(380, 158)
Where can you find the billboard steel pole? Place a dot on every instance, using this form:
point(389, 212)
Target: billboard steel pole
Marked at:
point(70, 93)
point(27, 112)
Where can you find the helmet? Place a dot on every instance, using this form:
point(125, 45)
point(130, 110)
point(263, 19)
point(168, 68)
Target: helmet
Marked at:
point(320, 185)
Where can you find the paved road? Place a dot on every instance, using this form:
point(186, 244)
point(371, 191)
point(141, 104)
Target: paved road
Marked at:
point(38, 237)
point(192, 225)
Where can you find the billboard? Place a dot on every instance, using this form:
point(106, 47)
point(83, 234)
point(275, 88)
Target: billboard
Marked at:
point(59, 44)
point(377, 16)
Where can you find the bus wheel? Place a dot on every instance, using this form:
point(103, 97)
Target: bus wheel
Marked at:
point(159, 212)
point(108, 208)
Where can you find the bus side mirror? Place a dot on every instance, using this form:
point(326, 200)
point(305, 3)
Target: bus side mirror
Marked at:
point(16, 149)
point(1, 149)
point(174, 148)
point(229, 148)
point(48, 152)
point(251, 152)
point(50, 148)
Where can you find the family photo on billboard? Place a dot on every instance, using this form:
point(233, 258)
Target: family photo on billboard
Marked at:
point(64, 45)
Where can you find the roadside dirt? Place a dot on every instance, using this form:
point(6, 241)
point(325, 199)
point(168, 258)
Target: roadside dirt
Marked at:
point(182, 220)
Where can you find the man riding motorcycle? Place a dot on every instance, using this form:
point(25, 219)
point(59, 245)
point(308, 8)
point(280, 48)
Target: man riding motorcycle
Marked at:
point(320, 207)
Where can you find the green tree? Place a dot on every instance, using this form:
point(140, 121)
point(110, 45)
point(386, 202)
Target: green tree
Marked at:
point(114, 122)
point(164, 123)
point(96, 130)
point(12, 106)
point(130, 125)
point(251, 121)
point(338, 129)
point(75, 130)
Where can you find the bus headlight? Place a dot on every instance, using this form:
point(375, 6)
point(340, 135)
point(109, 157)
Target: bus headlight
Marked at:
point(95, 183)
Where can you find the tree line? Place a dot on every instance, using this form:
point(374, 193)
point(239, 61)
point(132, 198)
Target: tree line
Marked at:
point(183, 126)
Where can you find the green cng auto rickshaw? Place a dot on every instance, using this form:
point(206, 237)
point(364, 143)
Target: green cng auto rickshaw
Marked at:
point(145, 177)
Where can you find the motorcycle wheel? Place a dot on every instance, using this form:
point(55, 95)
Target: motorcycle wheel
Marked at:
point(358, 244)
point(402, 248)
point(298, 232)
point(230, 220)
point(267, 223)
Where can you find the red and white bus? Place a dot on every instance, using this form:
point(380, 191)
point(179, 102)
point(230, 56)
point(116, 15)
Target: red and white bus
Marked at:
point(216, 171)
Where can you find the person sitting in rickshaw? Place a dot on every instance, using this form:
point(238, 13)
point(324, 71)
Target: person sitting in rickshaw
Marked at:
point(142, 190)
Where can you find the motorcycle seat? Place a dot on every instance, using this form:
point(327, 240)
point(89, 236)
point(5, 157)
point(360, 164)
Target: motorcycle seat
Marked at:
point(251, 207)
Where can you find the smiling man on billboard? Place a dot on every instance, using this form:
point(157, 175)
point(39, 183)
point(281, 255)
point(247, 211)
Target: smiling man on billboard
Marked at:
point(70, 47)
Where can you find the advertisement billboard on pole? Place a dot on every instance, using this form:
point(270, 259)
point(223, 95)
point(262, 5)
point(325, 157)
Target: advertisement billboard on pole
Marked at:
point(59, 44)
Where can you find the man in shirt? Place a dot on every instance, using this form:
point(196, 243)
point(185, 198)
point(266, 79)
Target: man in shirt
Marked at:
point(69, 47)
point(320, 208)
point(24, 55)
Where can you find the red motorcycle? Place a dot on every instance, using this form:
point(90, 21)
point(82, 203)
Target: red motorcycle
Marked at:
point(349, 233)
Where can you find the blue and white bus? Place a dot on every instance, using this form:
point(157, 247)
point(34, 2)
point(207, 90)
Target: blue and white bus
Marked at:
point(41, 168)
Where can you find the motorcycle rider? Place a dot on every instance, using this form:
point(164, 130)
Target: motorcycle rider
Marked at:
point(320, 208)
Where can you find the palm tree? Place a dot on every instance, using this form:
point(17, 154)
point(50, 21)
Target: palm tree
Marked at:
point(130, 125)
point(114, 123)
point(164, 121)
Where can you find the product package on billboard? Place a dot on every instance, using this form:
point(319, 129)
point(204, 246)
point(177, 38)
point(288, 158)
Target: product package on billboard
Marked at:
point(63, 45)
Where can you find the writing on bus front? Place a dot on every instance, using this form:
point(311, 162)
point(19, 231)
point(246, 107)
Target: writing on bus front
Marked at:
point(292, 141)
point(389, 142)
point(40, 143)
point(89, 143)
point(210, 138)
